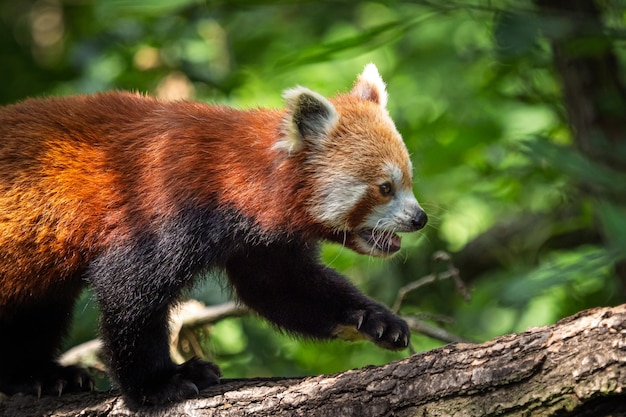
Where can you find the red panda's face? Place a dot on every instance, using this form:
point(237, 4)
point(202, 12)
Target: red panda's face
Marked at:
point(360, 170)
point(363, 181)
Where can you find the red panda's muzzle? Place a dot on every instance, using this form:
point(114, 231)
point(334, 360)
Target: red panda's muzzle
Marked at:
point(381, 241)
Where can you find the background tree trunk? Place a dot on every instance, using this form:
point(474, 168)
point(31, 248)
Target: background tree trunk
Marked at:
point(576, 367)
point(593, 89)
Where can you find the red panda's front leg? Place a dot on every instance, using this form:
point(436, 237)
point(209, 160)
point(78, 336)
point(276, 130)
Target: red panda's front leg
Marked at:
point(287, 285)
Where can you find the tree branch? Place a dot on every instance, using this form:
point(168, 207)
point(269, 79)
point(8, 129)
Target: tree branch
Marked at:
point(576, 367)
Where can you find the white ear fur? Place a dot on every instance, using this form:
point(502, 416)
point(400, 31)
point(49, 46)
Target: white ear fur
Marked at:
point(310, 116)
point(370, 86)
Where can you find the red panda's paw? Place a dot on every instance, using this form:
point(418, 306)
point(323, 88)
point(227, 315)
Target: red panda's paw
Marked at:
point(203, 374)
point(186, 382)
point(51, 379)
point(378, 324)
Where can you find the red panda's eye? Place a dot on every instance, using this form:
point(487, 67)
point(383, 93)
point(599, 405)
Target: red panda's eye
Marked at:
point(386, 189)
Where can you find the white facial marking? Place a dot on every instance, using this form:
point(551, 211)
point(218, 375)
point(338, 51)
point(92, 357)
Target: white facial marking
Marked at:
point(394, 172)
point(337, 196)
point(396, 215)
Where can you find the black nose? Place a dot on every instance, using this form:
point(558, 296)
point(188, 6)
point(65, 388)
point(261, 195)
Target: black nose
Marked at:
point(420, 220)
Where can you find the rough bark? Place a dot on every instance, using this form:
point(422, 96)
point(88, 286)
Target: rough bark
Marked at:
point(576, 367)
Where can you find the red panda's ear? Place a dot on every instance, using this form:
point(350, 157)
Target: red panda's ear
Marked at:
point(370, 86)
point(310, 116)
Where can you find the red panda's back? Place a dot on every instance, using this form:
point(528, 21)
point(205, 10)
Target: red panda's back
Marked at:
point(56, 183)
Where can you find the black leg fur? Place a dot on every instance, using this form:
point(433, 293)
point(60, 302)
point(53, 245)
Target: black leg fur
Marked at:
point(135, 291)
point(287, 285)
point(140, 361)
point(30, 342)
point(136, 284)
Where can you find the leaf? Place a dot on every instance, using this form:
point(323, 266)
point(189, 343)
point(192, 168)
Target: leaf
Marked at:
point(582, 264)
point(141, 7)
point(601, 179)
point(370, 38)
point(515, 33)
point(613, 220)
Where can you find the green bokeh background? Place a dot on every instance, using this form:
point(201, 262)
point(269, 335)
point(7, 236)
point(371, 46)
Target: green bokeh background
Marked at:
point(474, 94)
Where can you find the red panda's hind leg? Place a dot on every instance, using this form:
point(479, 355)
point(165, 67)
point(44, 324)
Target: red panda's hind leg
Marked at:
point(31, 339)
point(48, 379)
point(136, 286)
point(140, 362)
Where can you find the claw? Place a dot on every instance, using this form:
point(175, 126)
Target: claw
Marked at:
point(405, 340)
point(59, 385)
point(360, 323)
point(380, 332)
point(38, 390)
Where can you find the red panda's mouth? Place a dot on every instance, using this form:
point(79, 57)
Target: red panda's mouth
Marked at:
point(380, 240)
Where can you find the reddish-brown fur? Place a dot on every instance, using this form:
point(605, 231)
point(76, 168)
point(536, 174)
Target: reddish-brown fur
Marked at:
point(81, 187)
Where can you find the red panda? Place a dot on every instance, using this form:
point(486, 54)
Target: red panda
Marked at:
point(136, 197)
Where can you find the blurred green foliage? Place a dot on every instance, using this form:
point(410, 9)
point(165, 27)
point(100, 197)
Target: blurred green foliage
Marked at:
point(472, 90)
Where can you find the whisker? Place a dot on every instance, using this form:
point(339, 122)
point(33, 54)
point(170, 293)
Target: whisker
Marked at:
point(343, 245)
point(381, 232)
point(434, 207)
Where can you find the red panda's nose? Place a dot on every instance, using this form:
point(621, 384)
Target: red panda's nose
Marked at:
point(419, 220)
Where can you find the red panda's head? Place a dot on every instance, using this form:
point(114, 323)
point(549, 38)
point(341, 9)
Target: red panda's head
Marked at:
point(359, 168)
